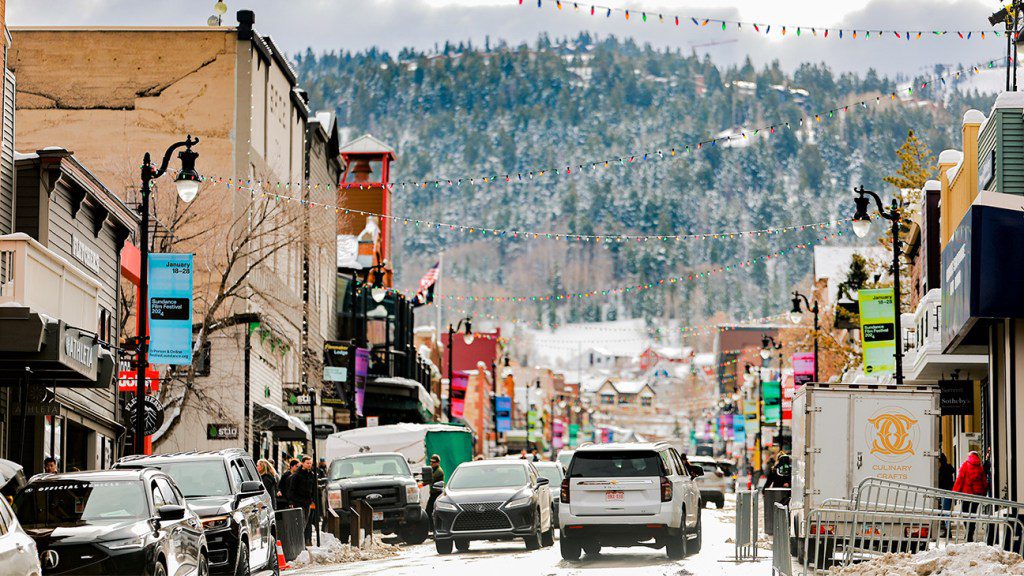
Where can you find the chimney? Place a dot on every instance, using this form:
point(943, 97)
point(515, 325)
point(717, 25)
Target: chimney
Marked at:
point(246, 20)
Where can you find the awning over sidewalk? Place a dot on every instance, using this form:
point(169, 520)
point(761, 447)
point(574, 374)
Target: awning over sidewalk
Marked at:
point(54, 351)
point(282, 425)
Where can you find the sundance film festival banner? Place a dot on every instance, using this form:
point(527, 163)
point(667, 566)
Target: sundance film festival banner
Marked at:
point(460, 382)
point(803, 368)
point(877, 330)
point(170, 309)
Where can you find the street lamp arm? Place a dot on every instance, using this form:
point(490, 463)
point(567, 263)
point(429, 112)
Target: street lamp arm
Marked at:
point(189, 141)
point(893, 214)
point(807, 304)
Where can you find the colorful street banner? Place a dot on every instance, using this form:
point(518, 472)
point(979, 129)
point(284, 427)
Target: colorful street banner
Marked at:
point(170, 309)
point(531, 426)
point(503, 413)
point(877, 330)
point(557, 429)
point(788, 390)
point(362, 370)
point(803, 368)
point(460, 382)
point(574, 435)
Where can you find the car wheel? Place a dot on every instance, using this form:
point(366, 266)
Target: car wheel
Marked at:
point(675, 547)
point(720, 503)
point(694, 545)
point(462, 545)
point(415, 533)
point(548, 538)
point(533, 540)
point(272, 560)
point(204, 566)
point(443, 546)
point(158, 569)
point(569, 548)
point(242, 559)
point(592, 548)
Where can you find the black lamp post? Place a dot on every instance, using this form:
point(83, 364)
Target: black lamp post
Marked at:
point(187, 183)
point(861, 226)
point(795, 315)
point(467, 337)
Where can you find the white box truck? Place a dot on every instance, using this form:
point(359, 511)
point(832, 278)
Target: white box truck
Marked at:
point(845, 433)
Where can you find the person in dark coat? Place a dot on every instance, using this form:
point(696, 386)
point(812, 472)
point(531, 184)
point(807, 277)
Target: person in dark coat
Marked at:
point(947, 477)
point(436, 475)
point(302, 494)
point(971, 479)
point(282, 484)
point(269, 478)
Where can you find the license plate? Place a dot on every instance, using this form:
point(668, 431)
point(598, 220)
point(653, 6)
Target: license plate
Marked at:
point(614, 496)
point(378, 516)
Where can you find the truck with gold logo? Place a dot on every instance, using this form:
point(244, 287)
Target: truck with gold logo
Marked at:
point(844, 433)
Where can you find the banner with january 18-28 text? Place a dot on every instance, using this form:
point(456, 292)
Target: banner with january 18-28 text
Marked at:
point(877, 330)
point(170, 309)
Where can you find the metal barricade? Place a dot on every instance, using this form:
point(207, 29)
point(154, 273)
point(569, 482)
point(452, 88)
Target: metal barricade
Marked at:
point(771, 497)
point(782, 560)
point(746, 526)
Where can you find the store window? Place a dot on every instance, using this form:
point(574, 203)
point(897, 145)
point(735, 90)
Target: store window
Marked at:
point(53, 440)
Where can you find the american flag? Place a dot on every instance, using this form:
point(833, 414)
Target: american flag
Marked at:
point(426, 292)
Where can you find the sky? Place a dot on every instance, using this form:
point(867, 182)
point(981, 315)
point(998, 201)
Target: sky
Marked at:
point(326, 25)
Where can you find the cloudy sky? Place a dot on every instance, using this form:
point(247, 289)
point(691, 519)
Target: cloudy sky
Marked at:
point(393, 24)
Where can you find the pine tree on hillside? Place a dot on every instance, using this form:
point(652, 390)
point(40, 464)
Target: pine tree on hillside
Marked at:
point(916, 164)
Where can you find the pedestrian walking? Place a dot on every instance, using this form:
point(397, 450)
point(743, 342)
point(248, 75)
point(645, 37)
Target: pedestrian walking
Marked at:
point(321, 469)
point(971, 479)
point(269, 477)
point(947, 477)
point(282, 484)
point(436, 475)
point(302, 494)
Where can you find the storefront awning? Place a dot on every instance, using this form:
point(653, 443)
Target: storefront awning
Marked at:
point(398, 400)
point(55, 352)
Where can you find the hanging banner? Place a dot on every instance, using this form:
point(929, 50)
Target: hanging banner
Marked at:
point(557, 429)
point(531, 426)
point(337, 357)
point(803, 368)
point(170, 309)
point(788, 389)
point(460, 382)
point(574, 435)
point(877, 330)
point(503, 413)
point(362, 369)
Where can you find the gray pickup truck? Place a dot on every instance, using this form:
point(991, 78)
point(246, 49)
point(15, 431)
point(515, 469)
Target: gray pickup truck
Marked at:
point(385, 482)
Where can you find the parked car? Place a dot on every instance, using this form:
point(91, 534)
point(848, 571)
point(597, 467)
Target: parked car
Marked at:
point(493, 500)
point(554, 472)
point(112, 522)
point(18, 553)
point(713, 484)
point(226, 491)
point(728, 468)
point(564, 457)
point(385, 482)
point(629, 494)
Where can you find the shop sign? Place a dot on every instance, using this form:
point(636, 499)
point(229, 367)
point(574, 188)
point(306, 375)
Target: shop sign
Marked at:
point(221, 432)
point(170, 309)
point(79, 351)
point(956, 397)
point(153, 413)
point(503, 413)
point(322, 431)
point(127, 380)
point(337, 357)
point(84, 254)
point(878, 332)
point(372, 421)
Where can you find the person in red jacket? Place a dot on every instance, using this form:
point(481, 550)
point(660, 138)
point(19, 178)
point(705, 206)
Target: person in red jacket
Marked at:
point(971, 479)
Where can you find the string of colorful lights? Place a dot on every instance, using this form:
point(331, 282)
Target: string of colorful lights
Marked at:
point(783, 30)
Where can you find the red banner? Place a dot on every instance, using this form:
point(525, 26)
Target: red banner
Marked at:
point(460, 382)
point(127, 380)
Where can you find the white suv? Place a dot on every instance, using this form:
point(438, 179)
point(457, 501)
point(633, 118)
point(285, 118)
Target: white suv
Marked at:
point(627, 495)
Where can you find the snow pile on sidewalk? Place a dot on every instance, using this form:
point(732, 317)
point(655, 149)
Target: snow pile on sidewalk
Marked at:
point(974, 559)
point(332, 551)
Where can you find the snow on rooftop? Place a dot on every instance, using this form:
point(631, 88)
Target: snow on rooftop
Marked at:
point(1009, 100)
point(629, 386)
point(950, 156)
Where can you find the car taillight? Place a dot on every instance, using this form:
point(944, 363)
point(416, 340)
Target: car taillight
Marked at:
point(824, 529)
point(916, 532)
point(563, 494)
point(666, 489)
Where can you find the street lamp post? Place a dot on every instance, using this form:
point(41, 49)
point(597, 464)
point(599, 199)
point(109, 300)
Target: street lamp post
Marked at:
point(187, 183)
point(861, 226)
point(795, 315)
point(467, 337)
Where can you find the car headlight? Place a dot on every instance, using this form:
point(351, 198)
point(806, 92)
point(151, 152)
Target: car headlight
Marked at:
point(446, 505)
point(133, 543)
point(412, 494)
point(334, 499)
point(216, 522)
point(518, 502)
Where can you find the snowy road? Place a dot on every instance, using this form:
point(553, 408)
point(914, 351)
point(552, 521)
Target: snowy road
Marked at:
point(498, 558)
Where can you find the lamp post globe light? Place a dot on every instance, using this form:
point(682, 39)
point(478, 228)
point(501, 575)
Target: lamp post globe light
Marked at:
point(187, 184)
point(768, 344)
point(796, 314)
point(465, 324)
point(861, 226)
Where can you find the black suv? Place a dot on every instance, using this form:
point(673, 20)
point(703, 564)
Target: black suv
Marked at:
point(112, 522)
point(384, 481)
point(224, 488)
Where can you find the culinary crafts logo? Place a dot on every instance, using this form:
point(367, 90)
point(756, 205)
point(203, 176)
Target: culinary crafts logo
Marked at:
point(893, 434)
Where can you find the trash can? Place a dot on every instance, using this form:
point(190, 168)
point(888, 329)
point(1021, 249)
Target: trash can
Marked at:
point(290, 532)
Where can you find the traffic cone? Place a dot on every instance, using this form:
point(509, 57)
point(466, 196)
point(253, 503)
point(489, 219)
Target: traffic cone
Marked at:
point(282, 564)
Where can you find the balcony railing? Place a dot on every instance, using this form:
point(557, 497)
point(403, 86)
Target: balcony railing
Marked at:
point(33, 276)
point(922, 344)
